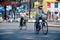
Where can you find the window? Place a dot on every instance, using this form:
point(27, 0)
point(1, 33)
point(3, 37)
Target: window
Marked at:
point(48, 5)
point(56, 4)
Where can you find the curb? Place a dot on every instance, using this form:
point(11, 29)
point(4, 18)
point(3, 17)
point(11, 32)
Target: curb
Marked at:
point(49, 25)
point(53, 25)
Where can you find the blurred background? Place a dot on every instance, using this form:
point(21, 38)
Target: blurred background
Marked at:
point(10, 19)
point(10, 9)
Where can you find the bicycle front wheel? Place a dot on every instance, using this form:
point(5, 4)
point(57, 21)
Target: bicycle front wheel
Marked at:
point(44, 28)
point(37, 28)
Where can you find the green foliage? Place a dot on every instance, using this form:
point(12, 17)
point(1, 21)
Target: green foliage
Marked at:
point(58, 0)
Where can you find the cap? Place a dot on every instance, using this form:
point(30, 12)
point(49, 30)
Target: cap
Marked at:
point(22, 10)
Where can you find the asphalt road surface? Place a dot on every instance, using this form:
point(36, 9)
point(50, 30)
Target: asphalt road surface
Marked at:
point(11, 31)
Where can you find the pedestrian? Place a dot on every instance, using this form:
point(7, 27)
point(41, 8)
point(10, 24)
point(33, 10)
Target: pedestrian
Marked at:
point(56, 16)
point(49, 15)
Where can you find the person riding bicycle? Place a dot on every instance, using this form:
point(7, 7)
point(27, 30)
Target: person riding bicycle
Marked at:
point(39, 16)
point(22, 16)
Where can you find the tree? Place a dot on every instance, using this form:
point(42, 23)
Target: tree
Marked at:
point(58, 0)
point(40, 1)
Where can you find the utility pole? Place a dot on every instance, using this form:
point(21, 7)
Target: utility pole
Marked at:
point(29, 7)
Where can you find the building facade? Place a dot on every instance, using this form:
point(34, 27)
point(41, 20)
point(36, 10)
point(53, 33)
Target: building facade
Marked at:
point(53, 6)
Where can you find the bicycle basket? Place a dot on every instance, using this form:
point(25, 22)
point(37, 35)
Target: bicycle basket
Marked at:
point(25, 18)
point(44, 16)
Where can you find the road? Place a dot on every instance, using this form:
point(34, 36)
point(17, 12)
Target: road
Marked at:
point(11, 31)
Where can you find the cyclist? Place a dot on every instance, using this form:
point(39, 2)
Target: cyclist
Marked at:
point(39, 13)
point(22, 15)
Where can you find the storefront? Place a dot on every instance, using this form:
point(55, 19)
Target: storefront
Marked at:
point(1, 13)
point(7, 8)
point(54, 8)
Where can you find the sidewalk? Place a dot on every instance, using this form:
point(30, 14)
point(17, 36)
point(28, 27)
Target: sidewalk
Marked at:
point(50, 23)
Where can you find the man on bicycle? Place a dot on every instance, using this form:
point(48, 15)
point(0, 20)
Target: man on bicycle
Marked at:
point(39, 13)
point(22, 16)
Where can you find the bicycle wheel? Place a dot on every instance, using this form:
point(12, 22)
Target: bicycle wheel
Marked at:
point(44, 28)
point(25, 24)
point(37, 29)
point(20, 27)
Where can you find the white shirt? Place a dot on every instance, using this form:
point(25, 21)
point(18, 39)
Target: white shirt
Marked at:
point(22, 14)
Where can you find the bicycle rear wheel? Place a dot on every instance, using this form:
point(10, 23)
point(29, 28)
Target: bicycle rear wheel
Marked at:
point(25, 25)
point(20, 27)
point(44, 28)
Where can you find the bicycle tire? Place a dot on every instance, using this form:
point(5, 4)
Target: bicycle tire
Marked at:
point(45, 31)
point(20, 27)
point(36, 29)
point(25, 25)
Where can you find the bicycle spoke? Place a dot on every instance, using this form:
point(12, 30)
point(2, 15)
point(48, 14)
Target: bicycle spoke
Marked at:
point(44, 28)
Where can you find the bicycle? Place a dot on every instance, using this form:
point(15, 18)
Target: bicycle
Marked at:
point(42, 25)
point(23, 23)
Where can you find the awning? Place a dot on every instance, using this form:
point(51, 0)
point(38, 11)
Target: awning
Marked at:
point(5, 3)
